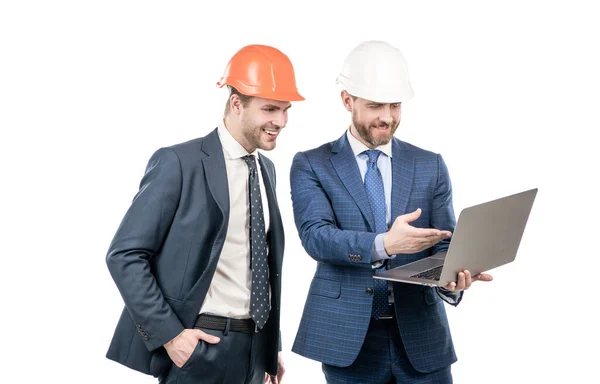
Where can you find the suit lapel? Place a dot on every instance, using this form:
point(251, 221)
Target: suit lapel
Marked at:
point(216, 179)
point(276, 227)
point(345, 165)
point(403, 166)
point(269, 187)
point(215, 171)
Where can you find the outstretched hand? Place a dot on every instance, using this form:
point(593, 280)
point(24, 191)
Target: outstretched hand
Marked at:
point(403, 238)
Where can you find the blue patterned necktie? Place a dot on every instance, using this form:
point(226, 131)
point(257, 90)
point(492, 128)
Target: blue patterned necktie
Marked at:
point(259, 296)
point(376, 194)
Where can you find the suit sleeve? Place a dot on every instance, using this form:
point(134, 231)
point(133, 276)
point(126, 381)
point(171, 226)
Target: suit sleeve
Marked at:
point(316, 222)
point(443, 218)
point(138, 239)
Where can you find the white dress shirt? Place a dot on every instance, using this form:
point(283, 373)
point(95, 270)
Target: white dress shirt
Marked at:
point(230, 288)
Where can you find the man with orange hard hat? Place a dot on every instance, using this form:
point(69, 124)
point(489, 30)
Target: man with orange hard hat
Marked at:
point(197, 257)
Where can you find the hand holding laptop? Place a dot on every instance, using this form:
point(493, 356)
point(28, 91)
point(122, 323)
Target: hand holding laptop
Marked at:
point(465, 280)
point(404, 238)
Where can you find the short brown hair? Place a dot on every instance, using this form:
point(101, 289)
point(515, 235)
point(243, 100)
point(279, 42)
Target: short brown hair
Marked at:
point(245, 99)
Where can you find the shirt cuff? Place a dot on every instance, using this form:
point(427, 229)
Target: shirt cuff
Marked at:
point(379, 254)
point(449, 296)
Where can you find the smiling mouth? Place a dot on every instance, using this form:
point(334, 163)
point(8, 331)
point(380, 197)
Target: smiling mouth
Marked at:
point(271, 133)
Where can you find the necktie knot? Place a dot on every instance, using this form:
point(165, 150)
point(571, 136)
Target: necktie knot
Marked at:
point(251, 162)
point(373, 156)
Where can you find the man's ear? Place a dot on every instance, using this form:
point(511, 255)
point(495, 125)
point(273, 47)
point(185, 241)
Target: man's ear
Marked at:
point(235, 104)
point(347, 101)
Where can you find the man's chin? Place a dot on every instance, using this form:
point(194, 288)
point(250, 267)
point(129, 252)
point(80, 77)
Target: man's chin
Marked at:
point(380, 141)
point(268, 146)
point(384, 139)
point(380, 136)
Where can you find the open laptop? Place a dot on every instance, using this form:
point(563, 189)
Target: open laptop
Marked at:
point(486, 236)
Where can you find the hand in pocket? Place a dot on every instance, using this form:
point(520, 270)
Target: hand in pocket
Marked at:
point(181, 347)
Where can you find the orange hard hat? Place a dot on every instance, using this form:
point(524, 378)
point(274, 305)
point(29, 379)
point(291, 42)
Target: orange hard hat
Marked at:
point(262, 71)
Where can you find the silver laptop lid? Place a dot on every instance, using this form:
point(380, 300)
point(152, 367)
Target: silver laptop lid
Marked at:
point(488, 235)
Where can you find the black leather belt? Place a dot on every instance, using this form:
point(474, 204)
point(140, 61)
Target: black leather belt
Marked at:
point(219, 323)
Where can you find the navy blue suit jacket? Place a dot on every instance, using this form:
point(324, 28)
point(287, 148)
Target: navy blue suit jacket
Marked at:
point(336, 225)
point(165, 252)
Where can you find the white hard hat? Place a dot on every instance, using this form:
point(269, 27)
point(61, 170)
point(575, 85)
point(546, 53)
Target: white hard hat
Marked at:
point(376, 71)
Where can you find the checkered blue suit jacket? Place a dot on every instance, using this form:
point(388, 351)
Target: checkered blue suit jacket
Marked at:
point(336, 226)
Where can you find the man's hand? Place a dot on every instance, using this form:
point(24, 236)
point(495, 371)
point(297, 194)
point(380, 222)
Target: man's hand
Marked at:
point(465, 280)
point(181, 347)
point(404, 238)
point(280, 371)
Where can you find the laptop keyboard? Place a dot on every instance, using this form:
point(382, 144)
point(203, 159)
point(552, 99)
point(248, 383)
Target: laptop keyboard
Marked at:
point(430, 274)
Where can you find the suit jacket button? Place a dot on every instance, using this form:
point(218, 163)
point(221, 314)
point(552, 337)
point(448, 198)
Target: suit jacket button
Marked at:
point(369, 291)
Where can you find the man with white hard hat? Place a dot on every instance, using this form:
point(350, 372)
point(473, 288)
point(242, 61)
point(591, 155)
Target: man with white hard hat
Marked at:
point(367, 202)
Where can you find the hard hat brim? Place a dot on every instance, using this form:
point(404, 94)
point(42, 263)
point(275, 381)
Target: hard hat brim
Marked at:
point(398, 95)
point(265, 94)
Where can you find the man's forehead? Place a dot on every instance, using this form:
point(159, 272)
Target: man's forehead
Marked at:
point(273, 103)
point(371, 102)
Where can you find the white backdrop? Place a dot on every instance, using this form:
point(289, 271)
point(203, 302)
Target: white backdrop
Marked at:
point(506, 91)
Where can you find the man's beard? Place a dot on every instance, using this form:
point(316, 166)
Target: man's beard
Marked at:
point(365, 132)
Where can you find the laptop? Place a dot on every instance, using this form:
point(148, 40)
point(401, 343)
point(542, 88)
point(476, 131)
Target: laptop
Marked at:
point(486, 236)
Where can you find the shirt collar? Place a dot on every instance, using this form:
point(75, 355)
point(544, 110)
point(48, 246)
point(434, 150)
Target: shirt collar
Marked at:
point(231, 148)
point(358, 147)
